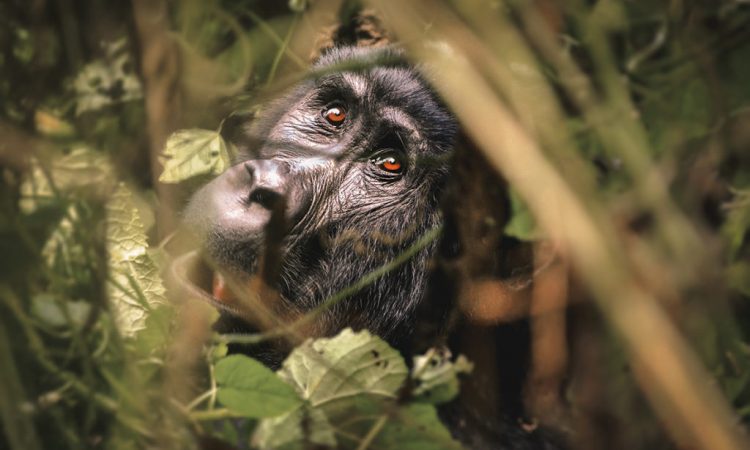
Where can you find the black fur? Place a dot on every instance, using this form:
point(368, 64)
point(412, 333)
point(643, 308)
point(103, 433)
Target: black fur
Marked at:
point(353, 218)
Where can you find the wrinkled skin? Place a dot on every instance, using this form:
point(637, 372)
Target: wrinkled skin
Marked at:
point(339, 212)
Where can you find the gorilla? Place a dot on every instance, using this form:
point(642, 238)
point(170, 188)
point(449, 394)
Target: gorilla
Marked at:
point(333, 206)
point(333, 181)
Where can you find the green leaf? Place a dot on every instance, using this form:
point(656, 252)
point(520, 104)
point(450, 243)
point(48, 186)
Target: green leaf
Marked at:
point(436, 376)
point(415, 427)
point(348, 379)
point(351, 383)
point(154, 338)
point(135, 286)
point(59, 313)
point(521, 224)
point(301, 428)
point(298, 6)
point(325, 370)
point(194, 152)
point(248, 387)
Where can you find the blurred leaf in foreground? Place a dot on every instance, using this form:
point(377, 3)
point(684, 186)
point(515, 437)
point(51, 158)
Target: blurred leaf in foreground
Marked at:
point(50, 124)
point(57, 313)
point(135, 286)
point(80, 169)
point(194, 152)
point(62, 252)
point(521, 224)
point(107, 81)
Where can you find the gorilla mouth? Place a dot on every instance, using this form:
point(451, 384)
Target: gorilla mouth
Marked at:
point(193, 276)
point(247, 297)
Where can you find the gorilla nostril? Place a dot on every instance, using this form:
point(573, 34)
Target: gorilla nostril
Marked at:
point(268, 179)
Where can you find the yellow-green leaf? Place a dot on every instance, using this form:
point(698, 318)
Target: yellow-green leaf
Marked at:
point(194, 152)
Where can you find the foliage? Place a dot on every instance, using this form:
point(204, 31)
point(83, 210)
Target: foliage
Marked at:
point(349, 390)
point(90, 347)
point(192, 153)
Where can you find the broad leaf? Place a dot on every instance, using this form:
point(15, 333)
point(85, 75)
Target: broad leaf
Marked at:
point(351, 383)
point(135, 286)
point(414, 427)
point(194, 152)
point(343, 366)
point(301, 428)
point(248, 387)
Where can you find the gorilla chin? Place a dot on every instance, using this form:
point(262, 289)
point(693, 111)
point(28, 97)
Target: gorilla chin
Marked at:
point(333, 181)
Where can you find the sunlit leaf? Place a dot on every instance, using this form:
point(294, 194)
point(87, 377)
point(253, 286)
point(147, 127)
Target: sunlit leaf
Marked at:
point(193, 152)
point(351, 382)
point(324, 370)
point(436, 376)
point(248, 387)
point(301, 428)
point(135, 286)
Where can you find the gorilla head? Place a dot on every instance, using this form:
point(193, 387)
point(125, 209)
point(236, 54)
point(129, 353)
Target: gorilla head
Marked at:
point(335, 180)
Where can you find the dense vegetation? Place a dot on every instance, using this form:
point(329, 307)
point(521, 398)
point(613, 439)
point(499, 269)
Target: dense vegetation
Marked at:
point(622, 128)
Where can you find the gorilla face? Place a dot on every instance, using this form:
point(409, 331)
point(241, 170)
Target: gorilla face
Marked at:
point(335, 180)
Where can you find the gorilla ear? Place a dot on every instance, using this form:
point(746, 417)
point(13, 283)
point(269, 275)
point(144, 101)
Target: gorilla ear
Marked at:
point(358, 27)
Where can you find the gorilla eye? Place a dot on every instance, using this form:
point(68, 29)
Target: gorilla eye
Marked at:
point(335, 115)
point(389, 163)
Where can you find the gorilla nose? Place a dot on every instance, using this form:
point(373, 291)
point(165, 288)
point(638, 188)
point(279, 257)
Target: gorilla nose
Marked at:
point(268, 182)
